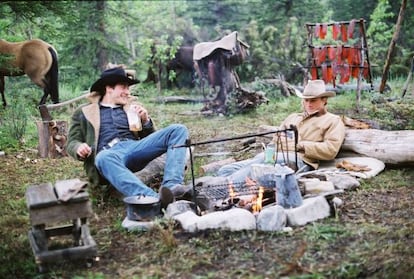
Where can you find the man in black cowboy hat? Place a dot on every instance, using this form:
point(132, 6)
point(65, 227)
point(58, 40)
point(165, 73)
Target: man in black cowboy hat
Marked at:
point(101, 135)
point(320, 135)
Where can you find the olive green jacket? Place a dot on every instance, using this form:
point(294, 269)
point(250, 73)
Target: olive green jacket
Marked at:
point(84, 127)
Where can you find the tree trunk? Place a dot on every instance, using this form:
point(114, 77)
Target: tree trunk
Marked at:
point(52, 138)
point(392, 147)
point(392, 45)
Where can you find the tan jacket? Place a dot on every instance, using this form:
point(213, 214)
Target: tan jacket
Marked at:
point(319, 136)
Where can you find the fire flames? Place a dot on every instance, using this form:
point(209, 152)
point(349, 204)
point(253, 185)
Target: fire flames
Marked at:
point(257, 206)
point(254, 202)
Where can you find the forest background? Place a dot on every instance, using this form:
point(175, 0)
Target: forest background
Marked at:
point(90, 34)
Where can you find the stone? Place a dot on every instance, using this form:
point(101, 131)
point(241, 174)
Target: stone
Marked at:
point(235, 219)
point(188, 221)
point(136, 225)
point(315, 186)
point(343, 181)
point(272, 218)
point(312, 209)
point(179, 207)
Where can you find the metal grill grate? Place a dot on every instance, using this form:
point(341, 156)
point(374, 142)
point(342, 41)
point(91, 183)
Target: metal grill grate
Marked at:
point(221, 191)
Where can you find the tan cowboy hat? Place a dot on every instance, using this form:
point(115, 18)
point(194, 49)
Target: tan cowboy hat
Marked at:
point(112, 77)
point(315, 89)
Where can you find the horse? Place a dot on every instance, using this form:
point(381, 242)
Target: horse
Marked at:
point(35, 58)
point(181, 63)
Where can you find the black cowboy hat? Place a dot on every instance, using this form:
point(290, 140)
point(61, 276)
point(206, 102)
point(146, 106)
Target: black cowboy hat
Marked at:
point(112, 77)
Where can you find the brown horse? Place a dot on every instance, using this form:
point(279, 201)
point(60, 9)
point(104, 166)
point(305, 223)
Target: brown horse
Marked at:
point(35, 58)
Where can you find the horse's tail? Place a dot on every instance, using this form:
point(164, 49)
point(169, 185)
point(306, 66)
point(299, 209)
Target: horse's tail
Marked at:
point(53, 76)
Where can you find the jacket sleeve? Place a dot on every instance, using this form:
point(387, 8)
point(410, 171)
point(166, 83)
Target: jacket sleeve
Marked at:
point(331, 144)
point(147, 129)
point(75, 136)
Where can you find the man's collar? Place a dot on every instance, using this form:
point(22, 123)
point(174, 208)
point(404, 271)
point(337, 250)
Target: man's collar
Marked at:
point(109, 105)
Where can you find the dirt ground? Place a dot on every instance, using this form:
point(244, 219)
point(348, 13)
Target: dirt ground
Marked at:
point(372, 233)
point(370, 236)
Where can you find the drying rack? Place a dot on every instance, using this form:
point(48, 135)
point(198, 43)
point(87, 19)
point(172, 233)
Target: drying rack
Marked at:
point(339, 49)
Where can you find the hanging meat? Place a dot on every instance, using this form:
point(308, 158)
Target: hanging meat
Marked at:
point(324, 72)
point(323, 31)
point(345, 53)
point(317, 30)
point(351, 56)
point(336, 28)
point(344, 73)
point(344, 32)
point(314, 72)
point(331, 52)
point(351, 27)
point(339, 54)
point(315, 54)
point(322, 54)
point(355, 71)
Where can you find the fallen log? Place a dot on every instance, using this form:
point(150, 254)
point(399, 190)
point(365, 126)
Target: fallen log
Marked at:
point(214, 166)
point(178, 100)
point(390, 147)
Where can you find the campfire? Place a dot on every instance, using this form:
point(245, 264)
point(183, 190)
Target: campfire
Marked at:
point(245, 194)
point(248, 194)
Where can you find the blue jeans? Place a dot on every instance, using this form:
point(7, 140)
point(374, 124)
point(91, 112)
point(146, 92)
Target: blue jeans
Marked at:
point(239, 171)
point(119, 163)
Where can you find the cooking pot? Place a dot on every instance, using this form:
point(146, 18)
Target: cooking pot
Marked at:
point(142, 208)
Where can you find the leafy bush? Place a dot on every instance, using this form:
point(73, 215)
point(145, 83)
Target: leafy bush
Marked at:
point(14, 120)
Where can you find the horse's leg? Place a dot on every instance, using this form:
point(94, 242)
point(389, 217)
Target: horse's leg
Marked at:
point(45, 94)
point(200, 77)
point(52, 76)
point(2, 91)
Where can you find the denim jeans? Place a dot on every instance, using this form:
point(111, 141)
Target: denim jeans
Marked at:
point(119, 163)
point(239, 171)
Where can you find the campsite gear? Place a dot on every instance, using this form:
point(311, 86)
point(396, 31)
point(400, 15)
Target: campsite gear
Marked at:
point(188, 144)
point(287, 189)
point(270, 153)
point(142, 208)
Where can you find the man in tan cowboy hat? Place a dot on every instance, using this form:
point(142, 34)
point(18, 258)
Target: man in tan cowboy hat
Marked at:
point(101, 135)
point(320, 135)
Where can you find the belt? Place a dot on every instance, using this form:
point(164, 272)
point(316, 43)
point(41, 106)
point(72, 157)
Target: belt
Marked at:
point(113, 142)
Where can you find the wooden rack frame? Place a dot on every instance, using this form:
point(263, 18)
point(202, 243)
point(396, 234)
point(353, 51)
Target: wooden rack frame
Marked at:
point(343, 53)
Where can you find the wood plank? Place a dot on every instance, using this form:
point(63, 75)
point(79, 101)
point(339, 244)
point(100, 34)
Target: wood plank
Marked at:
point(88, 251)
point(61, 212)
point(40, 196)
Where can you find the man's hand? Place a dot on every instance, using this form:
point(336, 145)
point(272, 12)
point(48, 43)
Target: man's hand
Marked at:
point(84, 150)
point(143, 113)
